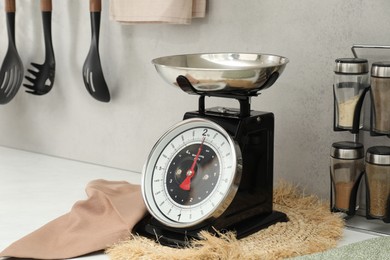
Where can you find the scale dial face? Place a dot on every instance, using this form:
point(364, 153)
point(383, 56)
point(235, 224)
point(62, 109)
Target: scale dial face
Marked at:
point(192, 173)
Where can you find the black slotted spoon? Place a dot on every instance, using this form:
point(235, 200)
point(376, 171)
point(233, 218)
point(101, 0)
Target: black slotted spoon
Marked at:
point(44, 74)
point(11, 72)
point(92, 70)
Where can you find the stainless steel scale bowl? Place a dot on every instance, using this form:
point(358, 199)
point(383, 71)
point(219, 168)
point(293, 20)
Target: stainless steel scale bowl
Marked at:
point(209, 72)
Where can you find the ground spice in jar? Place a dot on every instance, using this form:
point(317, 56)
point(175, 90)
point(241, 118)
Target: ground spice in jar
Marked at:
point(346, 111)
point(380, 98)
point(379, 193)
point(379, 188)
point(343, 194)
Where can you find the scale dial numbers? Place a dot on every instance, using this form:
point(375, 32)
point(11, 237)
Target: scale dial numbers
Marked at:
point(192, 173)
point(206, 174)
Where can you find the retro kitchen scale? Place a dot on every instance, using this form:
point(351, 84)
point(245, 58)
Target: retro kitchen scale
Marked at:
point(213, 171)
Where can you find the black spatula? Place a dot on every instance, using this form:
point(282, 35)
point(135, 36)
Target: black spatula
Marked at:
point(11, 72)
point(92, 70)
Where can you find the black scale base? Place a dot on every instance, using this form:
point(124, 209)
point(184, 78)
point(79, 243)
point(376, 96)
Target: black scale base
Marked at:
point(180, 238)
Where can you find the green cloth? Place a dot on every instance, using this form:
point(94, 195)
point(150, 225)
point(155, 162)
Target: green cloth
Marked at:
point(375, 248)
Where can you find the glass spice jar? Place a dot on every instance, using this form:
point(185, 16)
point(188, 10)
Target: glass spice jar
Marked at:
point(380, 97)
point(378, 182)
point(351, 82)
point(346, 170)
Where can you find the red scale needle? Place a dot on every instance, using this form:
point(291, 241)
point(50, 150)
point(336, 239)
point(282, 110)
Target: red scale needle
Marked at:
point(186, 184)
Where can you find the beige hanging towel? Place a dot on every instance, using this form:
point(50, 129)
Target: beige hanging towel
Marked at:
point(157, 11)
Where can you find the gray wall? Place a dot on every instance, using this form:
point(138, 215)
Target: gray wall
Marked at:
point(69, 123)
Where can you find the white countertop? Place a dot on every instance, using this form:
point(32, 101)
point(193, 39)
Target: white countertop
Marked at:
point(35, 189)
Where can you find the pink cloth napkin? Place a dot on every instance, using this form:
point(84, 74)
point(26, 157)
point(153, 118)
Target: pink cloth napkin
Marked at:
point(107, 216)
point(157, 11)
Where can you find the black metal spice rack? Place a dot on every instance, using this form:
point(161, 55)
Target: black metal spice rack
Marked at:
point(355, 131)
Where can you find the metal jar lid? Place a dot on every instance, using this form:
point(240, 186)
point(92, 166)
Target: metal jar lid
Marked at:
point(378, 155)
point(347, 150)
point(351, 66)
point(381, 69)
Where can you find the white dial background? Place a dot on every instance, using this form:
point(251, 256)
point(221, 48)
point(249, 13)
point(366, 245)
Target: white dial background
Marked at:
point(189, 132)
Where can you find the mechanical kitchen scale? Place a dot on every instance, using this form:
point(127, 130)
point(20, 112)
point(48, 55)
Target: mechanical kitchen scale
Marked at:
point(214, 170)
